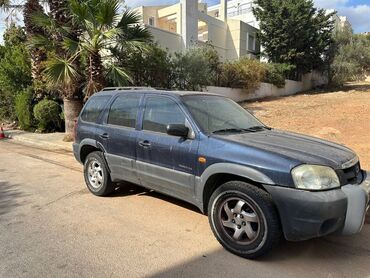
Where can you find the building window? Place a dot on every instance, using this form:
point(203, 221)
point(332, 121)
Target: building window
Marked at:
point(251, 42)
point(151, 21)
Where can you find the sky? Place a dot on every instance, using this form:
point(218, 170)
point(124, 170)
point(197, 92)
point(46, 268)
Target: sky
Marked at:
point(357, 11)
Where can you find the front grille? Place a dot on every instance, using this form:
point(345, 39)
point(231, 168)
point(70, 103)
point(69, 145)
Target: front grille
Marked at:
point(350, 175)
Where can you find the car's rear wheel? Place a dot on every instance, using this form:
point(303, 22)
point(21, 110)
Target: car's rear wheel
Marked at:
point(96, 174)
point(244, 219)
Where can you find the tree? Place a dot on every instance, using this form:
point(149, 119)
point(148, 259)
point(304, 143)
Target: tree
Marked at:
point(151, 67)
point(84, 39)
point(351, 57)
point(104, 29)
point(38, 56)
point(59, 27)
point(294, 32)
point(196, 68)
point(15, 70)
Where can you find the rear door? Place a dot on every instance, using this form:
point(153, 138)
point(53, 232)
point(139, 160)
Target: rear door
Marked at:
point(166, 163)
point(91, 113)
point(118, 136)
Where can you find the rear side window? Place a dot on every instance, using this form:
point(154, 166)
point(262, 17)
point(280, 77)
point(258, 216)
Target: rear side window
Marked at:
point(161, 111)
point(123, 111)
point(93, 108)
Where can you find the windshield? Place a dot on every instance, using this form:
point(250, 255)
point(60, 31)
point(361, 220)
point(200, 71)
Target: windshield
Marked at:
point(218, 114)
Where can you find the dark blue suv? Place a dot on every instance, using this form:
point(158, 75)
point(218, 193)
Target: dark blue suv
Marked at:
point(254, 182)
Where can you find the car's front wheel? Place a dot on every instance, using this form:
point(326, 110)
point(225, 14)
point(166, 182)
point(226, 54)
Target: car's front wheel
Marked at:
point(97, 177)
point(244, 219)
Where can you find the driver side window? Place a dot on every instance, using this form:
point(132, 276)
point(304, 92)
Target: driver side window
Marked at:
point(161, 111)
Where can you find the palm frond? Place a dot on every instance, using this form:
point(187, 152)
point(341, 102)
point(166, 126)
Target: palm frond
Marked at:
point(79, 11)
point(108, 12)
point(138, 33)
point(60, 71)
point(40, 41)
point(70, 45)
point(128, 18)
point(8, 4)
point(42, 20)
point(119, 76)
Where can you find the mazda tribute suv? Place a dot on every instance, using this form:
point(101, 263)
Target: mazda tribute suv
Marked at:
point(254, 182)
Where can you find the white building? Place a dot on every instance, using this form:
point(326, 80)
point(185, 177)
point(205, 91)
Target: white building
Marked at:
point(179, 26)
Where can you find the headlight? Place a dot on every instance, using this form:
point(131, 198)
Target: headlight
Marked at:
point(315, 177)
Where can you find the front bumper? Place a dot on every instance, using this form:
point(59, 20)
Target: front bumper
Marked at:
point(307, 214)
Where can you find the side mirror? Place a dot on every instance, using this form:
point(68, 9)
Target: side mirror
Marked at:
point(178, 130)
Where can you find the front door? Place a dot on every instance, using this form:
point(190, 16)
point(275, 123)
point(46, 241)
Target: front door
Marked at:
point(118, 136)
point(165, 163)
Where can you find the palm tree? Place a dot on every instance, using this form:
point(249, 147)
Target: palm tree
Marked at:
point(38, 55)
point(94, 31)
point(105, 30)
point(71, 91)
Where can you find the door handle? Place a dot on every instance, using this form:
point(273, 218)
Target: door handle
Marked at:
point(104, 136)
point(145, 144)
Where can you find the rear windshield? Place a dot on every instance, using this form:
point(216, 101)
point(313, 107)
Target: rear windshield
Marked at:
point(93, 108)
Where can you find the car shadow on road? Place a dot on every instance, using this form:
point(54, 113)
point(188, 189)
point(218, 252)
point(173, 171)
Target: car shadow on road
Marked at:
point(323, 257)
point(10, 196)
point(129, 189)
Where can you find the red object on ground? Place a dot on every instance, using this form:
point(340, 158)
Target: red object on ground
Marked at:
point(2, 134)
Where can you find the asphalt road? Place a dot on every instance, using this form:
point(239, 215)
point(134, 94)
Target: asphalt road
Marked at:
point(51, 226)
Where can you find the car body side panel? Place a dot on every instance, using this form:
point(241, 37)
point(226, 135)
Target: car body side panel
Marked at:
point(227, 168)
point(168, 164)
point(120, 151)
point(276, 167)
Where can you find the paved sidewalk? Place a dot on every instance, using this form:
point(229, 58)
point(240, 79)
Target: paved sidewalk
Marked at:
point(50, 141)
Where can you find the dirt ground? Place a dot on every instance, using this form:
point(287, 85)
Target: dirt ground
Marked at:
point(339, 116)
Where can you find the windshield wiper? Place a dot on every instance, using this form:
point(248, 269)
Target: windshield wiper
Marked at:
point(228, 130)
point(258, 128)
point(238, 130)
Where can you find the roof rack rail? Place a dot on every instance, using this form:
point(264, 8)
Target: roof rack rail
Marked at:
point(127, 88)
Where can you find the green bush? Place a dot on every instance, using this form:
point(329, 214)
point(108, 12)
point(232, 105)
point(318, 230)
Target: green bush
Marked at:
point(277, 73)
point(195, 68)
point(47, 115)
point(243, 73)
point(15, 70)
point(23, 109)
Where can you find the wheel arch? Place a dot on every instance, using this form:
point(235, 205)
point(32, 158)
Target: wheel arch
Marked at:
point(88, 146)
point(220, 173)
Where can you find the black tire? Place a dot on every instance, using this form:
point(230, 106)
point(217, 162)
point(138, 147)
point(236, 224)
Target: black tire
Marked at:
point(104, 185)
point(250, 231)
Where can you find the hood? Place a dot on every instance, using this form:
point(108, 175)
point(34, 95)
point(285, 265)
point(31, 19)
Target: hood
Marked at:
point(301, 148)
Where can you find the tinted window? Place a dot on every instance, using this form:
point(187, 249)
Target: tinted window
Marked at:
point(123, 111)
point(93, 108)
point(215, 113)
point(159, 112)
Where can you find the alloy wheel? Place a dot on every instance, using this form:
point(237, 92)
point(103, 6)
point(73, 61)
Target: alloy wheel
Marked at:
point(95, 174)
point(239, 220)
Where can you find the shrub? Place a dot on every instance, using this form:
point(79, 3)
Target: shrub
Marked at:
point(277, 73)
point(15, 70)
point(148, 67)
point(244, 73)
point(47, 114)
point(23, 109)
point(195, 69)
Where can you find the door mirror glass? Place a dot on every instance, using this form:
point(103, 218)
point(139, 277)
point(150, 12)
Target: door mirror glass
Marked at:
point(178, 130)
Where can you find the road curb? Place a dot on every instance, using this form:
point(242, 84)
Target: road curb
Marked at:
point(40, 144)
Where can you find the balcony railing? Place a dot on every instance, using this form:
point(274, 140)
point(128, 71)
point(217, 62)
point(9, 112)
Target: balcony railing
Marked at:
point(240, 12)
